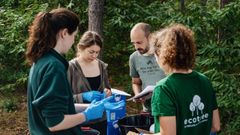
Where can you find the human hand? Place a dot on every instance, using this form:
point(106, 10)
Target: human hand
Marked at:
point(105, 100)
point(139, 100)
point(143, 99)
point(108, 92)
point(94, 111)
point(92, 95)
point(132, 133)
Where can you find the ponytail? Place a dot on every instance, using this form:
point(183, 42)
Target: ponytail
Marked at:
point(44, 29)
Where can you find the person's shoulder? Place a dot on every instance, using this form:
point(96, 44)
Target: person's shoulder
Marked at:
point(202, 76)
point(48, 59)
point(163, 85)
point(49, 64)
point(102, 63)
point(163, 81)
point(134, 55)
point(72, 62)
point(198, 73)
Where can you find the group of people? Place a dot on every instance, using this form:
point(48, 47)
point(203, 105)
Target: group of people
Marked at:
point(63, 96)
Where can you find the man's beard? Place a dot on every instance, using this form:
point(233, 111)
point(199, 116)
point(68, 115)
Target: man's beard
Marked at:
point(142, 51)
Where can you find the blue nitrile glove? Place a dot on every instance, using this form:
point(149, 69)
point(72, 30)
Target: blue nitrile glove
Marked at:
point(94, 111)
point(92, 95)
point(108, 99)
point(115, 105)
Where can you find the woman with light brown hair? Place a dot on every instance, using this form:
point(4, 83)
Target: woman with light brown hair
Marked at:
point(87, 74)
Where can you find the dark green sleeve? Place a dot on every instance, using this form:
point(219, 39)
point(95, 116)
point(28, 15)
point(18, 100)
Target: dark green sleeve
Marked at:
point(162, 102)
point(214, 99)
point(215, 106)
point(51, 100)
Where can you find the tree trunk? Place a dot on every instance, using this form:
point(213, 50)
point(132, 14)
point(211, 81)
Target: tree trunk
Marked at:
point(95, 17)
point(222, 3)
point(182, 5)
point(203, 2)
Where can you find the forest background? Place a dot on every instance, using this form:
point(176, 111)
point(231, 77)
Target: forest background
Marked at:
point(216, 24)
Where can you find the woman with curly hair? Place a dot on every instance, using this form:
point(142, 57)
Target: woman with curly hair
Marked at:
point(184, 102)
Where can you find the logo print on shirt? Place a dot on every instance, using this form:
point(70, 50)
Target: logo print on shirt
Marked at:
point(149, 62)
point(198, 115)
point(196, 105)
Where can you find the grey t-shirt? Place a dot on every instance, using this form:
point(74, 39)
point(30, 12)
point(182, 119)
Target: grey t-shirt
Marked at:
point(146, 68)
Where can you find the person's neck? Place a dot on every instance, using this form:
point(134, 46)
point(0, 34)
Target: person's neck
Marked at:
point(84, 61)
point(58, 48)
point(148, 53)
point(182, 71)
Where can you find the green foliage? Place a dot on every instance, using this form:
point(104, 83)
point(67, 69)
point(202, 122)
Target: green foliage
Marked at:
point(8, 105)
point(14, 24)
point(216, 32)
point(219, 60)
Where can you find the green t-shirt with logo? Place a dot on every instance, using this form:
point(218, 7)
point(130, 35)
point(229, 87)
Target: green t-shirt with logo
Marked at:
point(146, 68)
point(189, 97)
point(49, 95)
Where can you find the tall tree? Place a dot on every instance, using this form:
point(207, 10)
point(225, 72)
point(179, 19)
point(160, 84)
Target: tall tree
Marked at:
point(182, 5)
point(203, 2)
point(95, 16)
point(222, 3)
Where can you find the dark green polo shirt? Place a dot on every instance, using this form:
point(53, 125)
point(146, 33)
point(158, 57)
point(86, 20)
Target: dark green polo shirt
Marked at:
point(49, 95)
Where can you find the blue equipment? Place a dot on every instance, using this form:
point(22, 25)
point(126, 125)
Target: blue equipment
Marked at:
point(115, 110)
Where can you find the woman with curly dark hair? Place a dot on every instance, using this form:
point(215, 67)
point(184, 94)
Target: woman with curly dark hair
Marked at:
point(50, 101)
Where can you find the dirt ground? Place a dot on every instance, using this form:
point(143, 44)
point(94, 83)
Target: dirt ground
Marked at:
point(15, 123)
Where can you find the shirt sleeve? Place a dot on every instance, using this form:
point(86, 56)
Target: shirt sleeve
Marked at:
point(163, 102)
point(52, 97)
point(213, 92)
point(215, 106)
point(133, 71)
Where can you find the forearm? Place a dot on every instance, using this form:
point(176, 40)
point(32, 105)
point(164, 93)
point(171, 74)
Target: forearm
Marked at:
point(215, 121)
point(136, 88)
point(153, 134)
point(133, 133)
point(136, 85)
point(80, 107)
point(69, 121)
